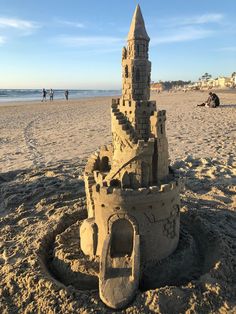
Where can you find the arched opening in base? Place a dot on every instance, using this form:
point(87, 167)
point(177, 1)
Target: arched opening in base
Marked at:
point(122, 234)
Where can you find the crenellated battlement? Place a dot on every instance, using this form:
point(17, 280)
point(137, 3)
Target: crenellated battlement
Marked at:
point(105, 191)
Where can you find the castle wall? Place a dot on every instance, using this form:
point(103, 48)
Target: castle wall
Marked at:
point(99, 163)
point(155, 210)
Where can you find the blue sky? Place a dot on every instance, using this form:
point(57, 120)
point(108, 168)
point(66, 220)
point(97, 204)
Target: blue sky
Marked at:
point(77, 44)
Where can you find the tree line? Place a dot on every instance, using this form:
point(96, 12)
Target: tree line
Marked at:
point(171, 84)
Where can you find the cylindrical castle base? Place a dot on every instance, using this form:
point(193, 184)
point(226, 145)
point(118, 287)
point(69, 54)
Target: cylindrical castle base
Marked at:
point(151, 213)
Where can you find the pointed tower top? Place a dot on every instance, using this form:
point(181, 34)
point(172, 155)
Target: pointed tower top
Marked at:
point(137, 27)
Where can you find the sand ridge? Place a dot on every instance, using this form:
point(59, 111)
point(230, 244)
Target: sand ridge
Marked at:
point(43, 154)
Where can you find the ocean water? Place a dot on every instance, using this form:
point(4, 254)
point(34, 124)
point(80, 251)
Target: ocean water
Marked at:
point(7, 95)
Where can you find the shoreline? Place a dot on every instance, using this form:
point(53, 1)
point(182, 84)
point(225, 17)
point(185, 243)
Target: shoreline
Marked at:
point(72, 100)
point(55, 101)
point(29, 95)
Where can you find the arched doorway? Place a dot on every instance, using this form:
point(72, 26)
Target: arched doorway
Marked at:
point(122, 234)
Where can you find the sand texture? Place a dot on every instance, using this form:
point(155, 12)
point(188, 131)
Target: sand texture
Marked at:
point(43, 151)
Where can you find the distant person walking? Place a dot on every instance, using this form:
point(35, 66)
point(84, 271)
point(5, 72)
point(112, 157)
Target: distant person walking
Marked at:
point(66, 94)
point(44, 94)
point(51, 94)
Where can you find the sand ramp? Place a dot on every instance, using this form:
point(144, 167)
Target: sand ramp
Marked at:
point(119, 274)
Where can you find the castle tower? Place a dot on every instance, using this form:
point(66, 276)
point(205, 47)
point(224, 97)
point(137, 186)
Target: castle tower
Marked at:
point(135, 64)
point(133, 111)
point(136, 72)
point(132, 196)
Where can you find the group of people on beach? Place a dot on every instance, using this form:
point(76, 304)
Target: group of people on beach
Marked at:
point(51, 94)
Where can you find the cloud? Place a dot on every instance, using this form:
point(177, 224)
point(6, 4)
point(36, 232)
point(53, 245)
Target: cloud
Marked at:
point(201, 19)
point(17, 24)
point(182, 35)
point(187, 28)
point(71, 23)
point(193, 20)
point(14, 27)
point(89, 41)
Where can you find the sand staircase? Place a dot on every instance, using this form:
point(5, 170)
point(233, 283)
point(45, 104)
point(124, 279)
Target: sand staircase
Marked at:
point(123, 123)
point(129, 138)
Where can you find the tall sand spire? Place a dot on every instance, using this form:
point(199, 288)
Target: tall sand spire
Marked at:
point(137, 27)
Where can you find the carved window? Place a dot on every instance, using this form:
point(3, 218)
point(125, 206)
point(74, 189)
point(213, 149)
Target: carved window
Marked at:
point(137, 75)
point(138, 49)
point(126, 71)
point(105, 165)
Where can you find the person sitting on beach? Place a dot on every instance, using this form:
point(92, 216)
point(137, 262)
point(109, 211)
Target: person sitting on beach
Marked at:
point(51, 93)
point(213, 101)
point(44, 94)
point(66, 94)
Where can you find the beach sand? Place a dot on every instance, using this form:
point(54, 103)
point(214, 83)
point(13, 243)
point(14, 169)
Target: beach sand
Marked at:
point(43, 151)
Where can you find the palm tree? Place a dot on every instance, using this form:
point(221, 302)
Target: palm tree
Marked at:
point(206, 77)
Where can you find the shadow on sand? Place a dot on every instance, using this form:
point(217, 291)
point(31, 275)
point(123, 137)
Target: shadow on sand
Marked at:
point(228, 106)
point(56, 185)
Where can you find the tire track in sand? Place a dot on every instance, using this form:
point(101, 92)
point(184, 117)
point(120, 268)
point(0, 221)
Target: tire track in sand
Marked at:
point(32, 144)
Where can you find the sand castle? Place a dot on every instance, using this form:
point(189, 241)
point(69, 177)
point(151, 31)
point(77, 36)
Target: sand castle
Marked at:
point(43, 211)
point(132, 193)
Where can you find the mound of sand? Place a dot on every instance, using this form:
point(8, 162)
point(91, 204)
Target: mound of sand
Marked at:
point(42, 204)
